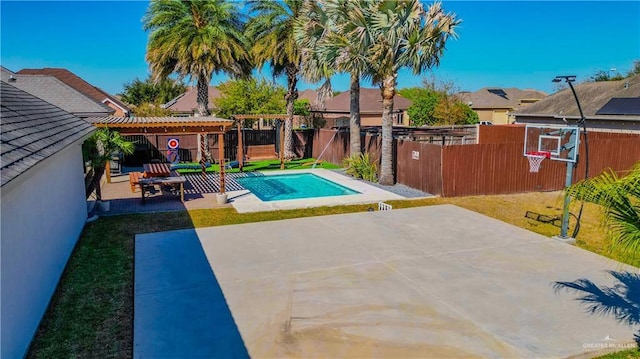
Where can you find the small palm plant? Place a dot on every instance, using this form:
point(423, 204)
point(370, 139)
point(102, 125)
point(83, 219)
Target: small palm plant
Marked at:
point(361, 166)
point(98, 149)
point(619, 197)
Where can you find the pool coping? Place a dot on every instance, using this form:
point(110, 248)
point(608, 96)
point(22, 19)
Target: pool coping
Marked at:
point(244, 201)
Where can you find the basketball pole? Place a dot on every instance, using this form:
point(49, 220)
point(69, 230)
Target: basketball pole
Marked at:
point(564, 230)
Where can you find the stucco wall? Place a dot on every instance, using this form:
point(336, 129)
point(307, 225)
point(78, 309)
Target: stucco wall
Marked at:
point(43, 214)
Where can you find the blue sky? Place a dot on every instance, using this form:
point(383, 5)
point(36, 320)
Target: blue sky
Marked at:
point(501, 44)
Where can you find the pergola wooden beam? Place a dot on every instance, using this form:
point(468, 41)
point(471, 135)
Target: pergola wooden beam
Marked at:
point(164, 125)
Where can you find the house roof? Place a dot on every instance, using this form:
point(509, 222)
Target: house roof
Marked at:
point(500, 98)
point(77, 83)
point(592, 95)
point(33, 130)
point(57, 93)
point(308, 94)
point(370, 102)
point(188, 101)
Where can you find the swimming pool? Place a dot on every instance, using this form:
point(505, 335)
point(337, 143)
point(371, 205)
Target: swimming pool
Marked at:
point(293, 186)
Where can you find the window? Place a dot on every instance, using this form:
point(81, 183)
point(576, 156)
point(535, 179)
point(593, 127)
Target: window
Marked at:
point(398, 117)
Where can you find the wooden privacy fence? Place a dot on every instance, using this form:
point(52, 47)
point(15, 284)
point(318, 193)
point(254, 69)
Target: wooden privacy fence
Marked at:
point(501, 168)
point(337, 147)
point(494, 166)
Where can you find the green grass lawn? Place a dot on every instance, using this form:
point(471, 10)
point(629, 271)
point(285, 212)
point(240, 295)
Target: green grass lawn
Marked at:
point(266, 165)
point(625, 354)
point(91, 313)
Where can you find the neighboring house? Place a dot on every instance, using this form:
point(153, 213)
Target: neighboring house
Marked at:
point(337, 109)
point(57, 93)
point(186, 104)
point(309, 94)
point(71, 79)
point(495, 105)
point(607, 106)
point(43, 206)
point(313, 97)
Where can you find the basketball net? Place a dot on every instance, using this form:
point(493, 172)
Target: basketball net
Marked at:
point(535, 160)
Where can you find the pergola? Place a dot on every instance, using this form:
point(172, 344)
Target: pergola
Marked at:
point(258, 117)
point(171, 125)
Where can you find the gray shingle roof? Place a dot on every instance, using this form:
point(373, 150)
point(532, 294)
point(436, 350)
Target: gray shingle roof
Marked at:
point(32, 130)
point(592, 95)
point(77, 83)
point(500, 98)
point(57, 93)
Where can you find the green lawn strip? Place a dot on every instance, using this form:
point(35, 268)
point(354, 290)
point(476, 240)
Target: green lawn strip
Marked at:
point(624, 354)
point(91, 314)
point(266, 165)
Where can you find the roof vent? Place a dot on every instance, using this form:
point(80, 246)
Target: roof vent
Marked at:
point(12, 79)
point(626, 85)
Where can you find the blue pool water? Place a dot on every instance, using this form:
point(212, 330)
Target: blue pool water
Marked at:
point(293, 186)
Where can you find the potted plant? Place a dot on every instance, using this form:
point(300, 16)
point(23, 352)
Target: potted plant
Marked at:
point(97, 151)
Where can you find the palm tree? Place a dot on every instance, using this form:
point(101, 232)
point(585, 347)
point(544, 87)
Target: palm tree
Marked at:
point(271, 30)
point(335, 37)
point(404, 34)
point(619, 197)
point(196, 39)
point(98, 149)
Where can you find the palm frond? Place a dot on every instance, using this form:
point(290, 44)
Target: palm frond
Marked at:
point(196, 39)
point(619, 198)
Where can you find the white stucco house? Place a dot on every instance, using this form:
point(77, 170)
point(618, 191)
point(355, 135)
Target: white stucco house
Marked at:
point(43, 209)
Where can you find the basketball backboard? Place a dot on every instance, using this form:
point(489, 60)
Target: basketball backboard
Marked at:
point(560, 143)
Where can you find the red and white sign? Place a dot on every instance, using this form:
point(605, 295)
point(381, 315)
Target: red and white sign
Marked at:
point(173, 143)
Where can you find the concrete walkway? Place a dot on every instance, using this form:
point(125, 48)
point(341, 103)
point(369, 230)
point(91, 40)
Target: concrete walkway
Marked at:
point(437, 282)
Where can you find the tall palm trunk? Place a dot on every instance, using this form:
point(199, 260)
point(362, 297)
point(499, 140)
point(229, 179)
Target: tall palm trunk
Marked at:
point(354, 119)
point(388, 90)
point(203, 95)
point(203, 110)
point(290, 97)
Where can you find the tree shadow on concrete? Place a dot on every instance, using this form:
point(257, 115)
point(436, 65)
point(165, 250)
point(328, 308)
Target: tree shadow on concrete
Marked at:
point(621, 301)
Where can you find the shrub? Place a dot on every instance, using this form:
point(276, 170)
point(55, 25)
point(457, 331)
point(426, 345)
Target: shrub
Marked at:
point(361, 166)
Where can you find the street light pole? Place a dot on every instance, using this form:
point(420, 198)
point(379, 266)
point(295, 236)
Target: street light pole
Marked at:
point(564, 229)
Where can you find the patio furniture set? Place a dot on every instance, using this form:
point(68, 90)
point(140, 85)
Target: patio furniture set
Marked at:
point(157, 174)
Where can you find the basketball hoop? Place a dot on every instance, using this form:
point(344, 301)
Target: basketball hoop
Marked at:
point(535, 159)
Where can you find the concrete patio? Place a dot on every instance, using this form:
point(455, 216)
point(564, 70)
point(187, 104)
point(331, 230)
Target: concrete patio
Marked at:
point(436, 282)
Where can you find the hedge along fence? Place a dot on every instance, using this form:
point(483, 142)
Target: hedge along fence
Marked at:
point(486, 168)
